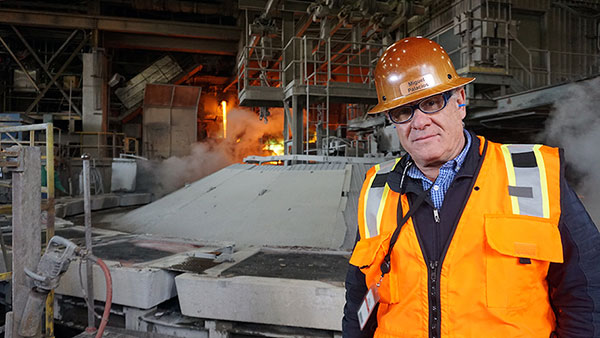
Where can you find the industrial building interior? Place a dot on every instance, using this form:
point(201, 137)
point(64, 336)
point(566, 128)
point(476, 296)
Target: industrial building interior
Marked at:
point(201, 160)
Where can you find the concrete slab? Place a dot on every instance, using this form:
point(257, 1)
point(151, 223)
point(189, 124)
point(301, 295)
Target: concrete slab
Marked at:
point(253, 205)
point(60, 211)
point(72, 206)
point(132, 286)
point(299, 303)
point(134, 199)
point(131, 259)
point(100, 202)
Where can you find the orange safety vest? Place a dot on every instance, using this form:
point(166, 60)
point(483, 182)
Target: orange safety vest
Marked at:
point(492, 280)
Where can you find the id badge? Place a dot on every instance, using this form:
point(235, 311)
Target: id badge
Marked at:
point(368, 305)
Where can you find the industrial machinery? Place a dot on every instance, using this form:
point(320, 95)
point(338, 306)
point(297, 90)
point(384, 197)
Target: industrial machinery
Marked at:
point(53, 264)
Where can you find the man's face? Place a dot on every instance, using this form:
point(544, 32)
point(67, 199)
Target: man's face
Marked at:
point(433, 139)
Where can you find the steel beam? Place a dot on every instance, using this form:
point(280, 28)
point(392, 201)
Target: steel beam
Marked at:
point(60, 49)
point(119, 24)
point(45, 68)
point(59, 73)
point(297, 126)
point(176, 44)
point(20, 64)
point(215, 80)
point(270, 7)
point(285, 5)
point(313, 158)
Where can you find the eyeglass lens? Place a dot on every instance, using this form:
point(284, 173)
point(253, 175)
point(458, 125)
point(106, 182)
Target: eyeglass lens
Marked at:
point(429, 105)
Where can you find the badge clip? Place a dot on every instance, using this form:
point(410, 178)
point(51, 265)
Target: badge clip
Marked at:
point(368, 305)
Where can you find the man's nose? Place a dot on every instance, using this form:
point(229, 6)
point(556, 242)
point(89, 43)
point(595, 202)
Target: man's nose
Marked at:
point(420, 119)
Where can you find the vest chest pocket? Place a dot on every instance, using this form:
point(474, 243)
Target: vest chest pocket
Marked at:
point(518, 252)
point(368, 255)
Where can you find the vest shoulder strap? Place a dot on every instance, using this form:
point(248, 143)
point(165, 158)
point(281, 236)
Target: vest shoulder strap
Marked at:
point(527, 168)
point(375, 193)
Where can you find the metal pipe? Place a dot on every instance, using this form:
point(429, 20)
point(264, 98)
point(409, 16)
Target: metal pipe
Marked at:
point(88, 238)
point(307, 84)
point(40, 126)
point(20, 64)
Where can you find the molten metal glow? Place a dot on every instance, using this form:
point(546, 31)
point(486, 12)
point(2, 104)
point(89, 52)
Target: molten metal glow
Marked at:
point(224, 106)
point(274, 146)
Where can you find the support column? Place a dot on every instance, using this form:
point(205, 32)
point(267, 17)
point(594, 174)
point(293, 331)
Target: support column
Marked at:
point(287, 121)
point(93, 102)
point(288, 53)
point(297, 126)
point(26, 236)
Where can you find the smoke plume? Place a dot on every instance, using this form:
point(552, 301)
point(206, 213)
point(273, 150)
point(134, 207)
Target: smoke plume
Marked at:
point(245, 136)
point(574, 125)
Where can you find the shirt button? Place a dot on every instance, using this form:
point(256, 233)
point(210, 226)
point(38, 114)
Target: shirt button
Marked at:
point(436, 187)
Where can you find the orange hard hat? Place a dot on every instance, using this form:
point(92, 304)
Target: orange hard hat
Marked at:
point(412, 69)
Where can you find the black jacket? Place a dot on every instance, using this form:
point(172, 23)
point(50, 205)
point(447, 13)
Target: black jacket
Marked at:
point(574, 285)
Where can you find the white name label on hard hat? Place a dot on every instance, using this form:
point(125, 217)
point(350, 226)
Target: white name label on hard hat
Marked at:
point(415, 85)
point(368, 305)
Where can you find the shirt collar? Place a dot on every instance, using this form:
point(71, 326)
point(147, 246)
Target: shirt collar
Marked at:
point(468, 166)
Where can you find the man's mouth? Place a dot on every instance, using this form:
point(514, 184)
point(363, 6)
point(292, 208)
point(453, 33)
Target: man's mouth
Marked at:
point(423, 138)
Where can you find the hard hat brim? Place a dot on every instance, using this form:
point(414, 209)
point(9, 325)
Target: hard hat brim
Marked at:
point(384, 106)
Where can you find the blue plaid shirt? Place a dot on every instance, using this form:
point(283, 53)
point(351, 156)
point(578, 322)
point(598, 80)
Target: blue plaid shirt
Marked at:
point(447, 174)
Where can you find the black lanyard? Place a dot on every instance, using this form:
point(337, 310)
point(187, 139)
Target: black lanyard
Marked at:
point(385, 265)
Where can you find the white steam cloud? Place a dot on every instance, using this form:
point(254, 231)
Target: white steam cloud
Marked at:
point(245, 136)
point(574, 125)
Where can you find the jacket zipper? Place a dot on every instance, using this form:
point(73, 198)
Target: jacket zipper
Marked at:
point(434, 312)
point(436, 216)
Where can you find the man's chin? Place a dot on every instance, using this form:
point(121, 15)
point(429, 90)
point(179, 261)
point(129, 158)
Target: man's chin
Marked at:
point(427, 160)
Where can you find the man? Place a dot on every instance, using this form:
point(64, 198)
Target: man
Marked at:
point(464, 237)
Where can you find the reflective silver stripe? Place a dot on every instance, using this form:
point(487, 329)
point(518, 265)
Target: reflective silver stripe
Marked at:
point(387, 166)
point(374, 199)
point(527, 185)
point(372, 208)
point(520, 191)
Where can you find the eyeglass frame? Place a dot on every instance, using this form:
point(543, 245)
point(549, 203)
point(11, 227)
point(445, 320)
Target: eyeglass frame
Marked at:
point(445, 95)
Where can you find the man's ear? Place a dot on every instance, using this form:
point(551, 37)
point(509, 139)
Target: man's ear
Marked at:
point(461, 100)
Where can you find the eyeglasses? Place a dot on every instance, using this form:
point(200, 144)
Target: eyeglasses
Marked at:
point(430, 105)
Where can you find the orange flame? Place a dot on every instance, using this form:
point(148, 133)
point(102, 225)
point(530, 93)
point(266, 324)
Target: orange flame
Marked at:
point(224, 107)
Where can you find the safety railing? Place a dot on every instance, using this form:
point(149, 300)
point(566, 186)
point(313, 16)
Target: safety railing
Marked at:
point(38, 135)
point(542, 70)
point(308, 61)
point(322, 62)
point(259, 66)
point(104, 144)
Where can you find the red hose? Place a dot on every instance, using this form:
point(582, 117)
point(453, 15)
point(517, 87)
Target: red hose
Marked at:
point(108, 302)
